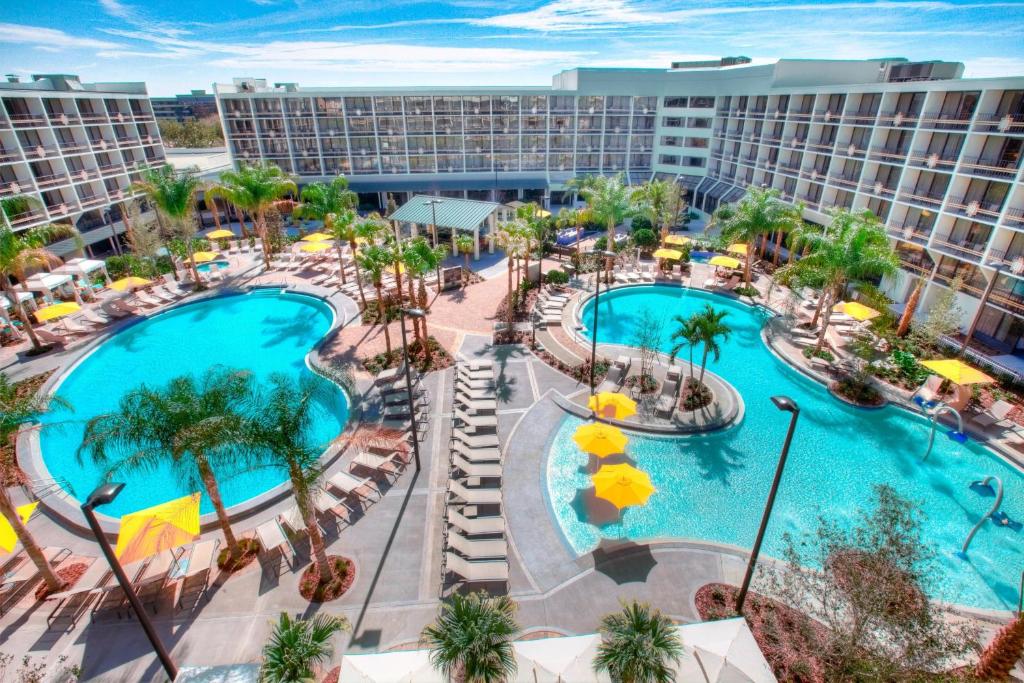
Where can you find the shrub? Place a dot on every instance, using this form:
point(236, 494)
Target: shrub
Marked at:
point(747, 291)
point(556, 277)
point(908, 367)
point(644, 238)
point(824, 354)
point(641, 223)
point(601, 243)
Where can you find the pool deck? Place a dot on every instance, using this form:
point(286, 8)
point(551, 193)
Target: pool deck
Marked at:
point(396, 543)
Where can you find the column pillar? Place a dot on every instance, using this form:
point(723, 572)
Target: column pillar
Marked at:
point(491, 226)
point(414, 230)
point(476, 244)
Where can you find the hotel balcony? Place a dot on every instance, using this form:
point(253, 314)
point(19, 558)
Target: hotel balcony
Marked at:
point(42, 152)
point(15, 188)
point(909, 232)
point(61, 210)
point(1014, 218)
point(877, 189)
point(111, 169)
point(65, 119)
point(30, 216)
point(964, 250)
point(9, 155)
point(93, 118)
point(143, 116)
point(887, 153)
point(863, 118)
point(809, 202)
point(978, 210)
point(925, 159)
point(1002, 123)
point(84, 174)
point(947, 121)
point(102, 144)
point(989, 167)
point(73, 147)
point(1013, 261)
point(897, 118)
point(915, 264)
point(52, 180)
point(28, 120)
point(845, 179)
point(800, 114)
point(930, 200)
point(90, 201)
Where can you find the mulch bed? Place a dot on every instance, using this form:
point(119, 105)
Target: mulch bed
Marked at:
point(250, 549)
point(10, 471)
point(344, 575)
point(864, 398)
point(695, 395)
point(68, 576)
point(332, 676)
point(781, 633)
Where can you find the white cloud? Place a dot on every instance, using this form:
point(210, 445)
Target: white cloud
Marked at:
point(993, 67)
point(49, 38)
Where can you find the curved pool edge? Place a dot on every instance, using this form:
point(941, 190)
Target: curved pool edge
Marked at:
point(65, 506)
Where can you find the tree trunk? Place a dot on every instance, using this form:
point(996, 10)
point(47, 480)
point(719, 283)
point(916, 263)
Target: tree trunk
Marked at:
point(908, 312)
point(192, 264)
point(763, 242)
point(703, 366)
point(746, 266)
point(341, 263)
point(817, 311)
point(779, 234)
point(380, 314)
point(412, 302)
point(510, 300)
point(316, 539)
point(824, 325)
point(579, 238)
point(997, 661)
point(213, 490)
point(32, 549)
point(261, 230)
point(359, 280)
point(610, 247)
point(526, 261)
point(465, 274)
point(423, 321)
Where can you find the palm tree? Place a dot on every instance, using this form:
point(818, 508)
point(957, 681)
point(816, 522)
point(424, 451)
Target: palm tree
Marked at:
point(254, 189)
point(661, 201)
point(375, 259)
point(298, 647)
point(708, 329)
point(759, 212)
point(18, 409)
point(638, 645)
point(1002, 654)
point(190, 426)
point(368, 230)
point(609, 199)
point(22, 251)
point(686, 335)
point(853, 248)
point(510, 238)
point(471, 640)
point(334, 204)
point(174, 196)
point(574, 218)
point(464, 244)
point(908, 312)
point(277, 433)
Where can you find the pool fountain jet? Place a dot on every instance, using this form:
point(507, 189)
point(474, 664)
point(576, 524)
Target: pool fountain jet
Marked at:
point(957, 434)
point(991, 511)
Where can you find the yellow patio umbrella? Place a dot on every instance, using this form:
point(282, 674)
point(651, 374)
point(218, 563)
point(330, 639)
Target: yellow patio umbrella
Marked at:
point(672, 254)
point(127, 284)
point(724, 262)
point(738, 248)
point(7, 537)
point(622, 485)
point(161, 527)
point(221, 234)
point(401, 269)
point(204, 256)
point(600, 439)
point(313, 247)
point(957, 371)
point(677, 239)
point(542, 213)
point(623, 405)
point(57, 310)
point(855, 310)
point(317, 237)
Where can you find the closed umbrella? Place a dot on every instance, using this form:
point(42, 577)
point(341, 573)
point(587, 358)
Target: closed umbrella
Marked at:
point(161, 527)
point(622, 485)
point(600, 439)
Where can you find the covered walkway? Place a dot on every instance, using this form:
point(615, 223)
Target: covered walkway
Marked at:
point(468, 215)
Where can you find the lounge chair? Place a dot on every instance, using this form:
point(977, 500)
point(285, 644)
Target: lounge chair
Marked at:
point(72, 326)
point(92, 316)
point(474, 375)
point(475, 394)
point(26, 575)
point(613, 380)
point(377, 463)
point(488, 405)
point(155, 576)
point(273, 540)
point(545, 321)
point(349, 485)
point(162, 295)
point(667, 400)
point(475, 385)
point(993, 415)
point(480, 364)
point(401, 409)
point(49, 337)
point(112, 597)
point(480, 470)
point(147, 299)
point(476, 572)
point(473, 455)
point(390, 375)
point(195, 580)
point(176, 289)
point(475, 441)
point(929, 393)
point(72, 603)
point(476, 526)
point(292, 520)
point(476, 421)
point(474, 495)
point(496, 549)
point(397, 397)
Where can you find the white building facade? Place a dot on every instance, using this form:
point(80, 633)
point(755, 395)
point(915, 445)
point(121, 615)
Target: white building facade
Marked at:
point(935, 156)
point(75, 149)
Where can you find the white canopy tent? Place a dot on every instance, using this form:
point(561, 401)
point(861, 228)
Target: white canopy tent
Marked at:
point(47, 283)
point(408, 666)
point(24, 297)
point(558, 660)
point(82, 267)
point(722, 651)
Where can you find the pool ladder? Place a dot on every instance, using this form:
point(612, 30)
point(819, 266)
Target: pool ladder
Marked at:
point(992, 510)
point(957, 435)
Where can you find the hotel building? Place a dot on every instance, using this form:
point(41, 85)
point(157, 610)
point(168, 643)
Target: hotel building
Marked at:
point(75, 149)
point(935, 156)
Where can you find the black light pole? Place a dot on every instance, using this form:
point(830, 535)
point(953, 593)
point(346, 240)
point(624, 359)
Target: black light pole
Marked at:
point(101, 496)
point(593, 332)
point(433, 217)
point(412, 313)
point(787, 404)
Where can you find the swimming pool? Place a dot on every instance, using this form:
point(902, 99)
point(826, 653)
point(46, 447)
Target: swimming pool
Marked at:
point(701, 256)
point(264, 331)
point(207, 267)
point(714, 486)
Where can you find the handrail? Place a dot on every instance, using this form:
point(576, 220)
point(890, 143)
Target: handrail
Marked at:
point(940, 409)
point(987, 515)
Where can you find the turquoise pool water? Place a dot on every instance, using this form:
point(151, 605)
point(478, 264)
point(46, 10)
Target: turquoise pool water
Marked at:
point(714, 486)
point(264, 331)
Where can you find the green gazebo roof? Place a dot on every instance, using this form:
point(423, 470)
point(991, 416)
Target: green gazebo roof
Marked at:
point(461, 214)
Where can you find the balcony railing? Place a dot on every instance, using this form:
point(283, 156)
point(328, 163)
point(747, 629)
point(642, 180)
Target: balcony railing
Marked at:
point(73, 146)
point(7, 155)
point(947, 121)
point(15, 188)
point(60, 209)
point(974, 208)
point(877, 188)
point(911, 194)
point(92, 200)
point(972, 251)
point(934, 160)
point(847, 179)
point(1004, 123)
point(909, 232)
point(990, 167)
point(93, 117)
point(101, 143)
point(1014, 217)
point(51, 180)
point(111, 169)
point(29, 216)
point(42, 151)
point(893, 153)
point(28, 120)
point(64, 118)
point(84, 174)
point(897, 118)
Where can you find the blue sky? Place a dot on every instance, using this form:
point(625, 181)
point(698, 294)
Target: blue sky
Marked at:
point(177, 45)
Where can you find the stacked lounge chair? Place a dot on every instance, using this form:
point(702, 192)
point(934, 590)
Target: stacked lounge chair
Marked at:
point(475, 549)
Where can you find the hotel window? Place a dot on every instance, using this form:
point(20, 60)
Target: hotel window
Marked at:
point(358, 106)
point(673, 122)
point(678, 102)
point(534, 162)
point(449, 163)
point(534, 143)
point(506, 143)
point(699, 123)
point(561, 142)
point(506, 162)
point(392, 145)
point(449, 143)
point(419, 124)
point(534, 104)
point(417, 105)
point(478, 162)
point(477, 105)
point(537, 123)
point(672, 140)
point(702, 102)
point(614, 162)
point(560, 162)
point(694, 162)
point(699, 143)
point(390, 125)
point(329, 106)
point(505, 104)
point(616, 124)
point(420, 144)
point(448, 125)
point(506, 124)
point(366, 164)
point(616, 103)
point(336, 166)
point(563, 103)
point(387, 105)
point(478, 123)
point(421, 164)
point(671, 159)
point(615, 142)
point(562, 123)
point(393, 163)
point(639, 161)
point(591, 104)
point(309, 167)
point(298, 105)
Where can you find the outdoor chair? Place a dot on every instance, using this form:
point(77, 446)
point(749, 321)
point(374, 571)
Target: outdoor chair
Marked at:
point(198, 568)
point(478, 571)
point(496, 549)
point(72, 604)
point(25, 575)
point(474, 495)
point(994, 415)
point(475, 441)
point(480, 470)
point(475, 526)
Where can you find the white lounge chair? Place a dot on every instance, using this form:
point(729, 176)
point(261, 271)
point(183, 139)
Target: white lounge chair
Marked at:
point(476, 421)
point(196, 579)
point(474, 495)
point(147, 299)
point(362, 488)
point(377, 463)
point(488, 405)
point(476, 526)
point(481, 470)
point(995, 414)
point(496, 549)
point(476, 456)
point(476, 441)
point(72, 604)
point(476, 572)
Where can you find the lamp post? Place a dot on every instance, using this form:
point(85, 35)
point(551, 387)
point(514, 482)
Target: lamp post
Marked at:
point(102, 496)
point(433, 218)
point(786, 404)
point(593, 332)
point(412, 313)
